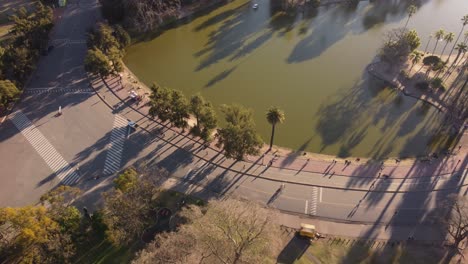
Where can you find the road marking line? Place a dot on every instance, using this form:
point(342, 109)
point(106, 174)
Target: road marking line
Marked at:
point(313, 204)
point(306, 206)
point(116, 145)
point(62, 170)
point(320, 200)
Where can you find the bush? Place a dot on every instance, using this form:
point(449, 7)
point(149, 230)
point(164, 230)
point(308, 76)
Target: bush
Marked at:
point(437, 83)
point(431, 60)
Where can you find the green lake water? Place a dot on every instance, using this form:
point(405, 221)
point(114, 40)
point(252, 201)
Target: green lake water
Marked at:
point(311, 65)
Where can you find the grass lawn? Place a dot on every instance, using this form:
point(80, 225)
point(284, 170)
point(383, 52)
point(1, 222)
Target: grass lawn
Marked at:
point(332, 252)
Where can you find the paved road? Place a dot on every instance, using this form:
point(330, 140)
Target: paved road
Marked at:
point(91, 139)
point(39, 149)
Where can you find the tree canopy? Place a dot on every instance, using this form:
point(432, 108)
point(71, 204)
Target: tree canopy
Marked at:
point(43, 233)
point(169, 105)
point(96, 62)
point(205, 116)
point(30, 34)
point(106, 44)
point(8, 93)
point(398, 44)
point(239, 138)
point(229, 231)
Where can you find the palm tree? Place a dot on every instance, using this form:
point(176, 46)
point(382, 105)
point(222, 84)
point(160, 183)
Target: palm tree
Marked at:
point(274, 116)
point(439, 35)
point(462, 48)
point(415, 57)
point(464, 23)
point(466, 37)
point(411, 11)
point(448, 38)
point(428, 41)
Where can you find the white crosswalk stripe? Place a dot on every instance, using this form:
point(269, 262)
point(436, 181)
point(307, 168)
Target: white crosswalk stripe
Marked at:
point(64, 172)
point(57, 90)
point(116, 145)
point(313, 201)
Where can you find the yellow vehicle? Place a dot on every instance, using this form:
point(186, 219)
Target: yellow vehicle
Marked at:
point(308, 231)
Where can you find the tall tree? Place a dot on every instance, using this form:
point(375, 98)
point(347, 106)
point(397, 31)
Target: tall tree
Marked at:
point(462, 48)
point(438, 35)
point(179, 110)
point(464, 21)
point(228, 231)
point(415, 57)
point(411, 11)
point(239, 137)
point(205, 116)
point(448, 38)
point(160, 99)
point(428, 42)
point(128, 211)
point(274, 116)
point(31, 235)
point(412, 39)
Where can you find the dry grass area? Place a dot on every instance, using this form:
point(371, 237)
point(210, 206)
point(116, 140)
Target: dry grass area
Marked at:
point(352, 251)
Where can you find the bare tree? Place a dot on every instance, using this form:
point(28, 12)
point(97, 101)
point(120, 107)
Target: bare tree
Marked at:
point(456, 219)
point(229, 231)
point(145, 15)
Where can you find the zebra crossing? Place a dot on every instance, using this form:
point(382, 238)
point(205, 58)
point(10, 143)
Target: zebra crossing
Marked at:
point(313, 201)
point(58, 90)
point(116, 145)
point(64, 172)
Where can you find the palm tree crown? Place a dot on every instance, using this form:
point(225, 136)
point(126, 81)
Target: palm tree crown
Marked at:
point(411, 11)
point(415, 57)
point(448, 38)
point(274, 116)
point(462, 48)
point(464, 23)
point(439, 35)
